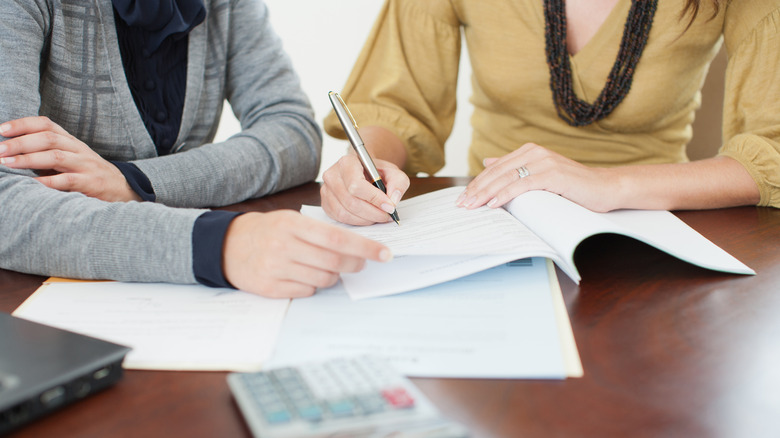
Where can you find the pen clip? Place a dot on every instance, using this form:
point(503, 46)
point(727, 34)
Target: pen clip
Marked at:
point(346, 109)
point(348, 122)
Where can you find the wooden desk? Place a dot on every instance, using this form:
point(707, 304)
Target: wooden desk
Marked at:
point(668, 350)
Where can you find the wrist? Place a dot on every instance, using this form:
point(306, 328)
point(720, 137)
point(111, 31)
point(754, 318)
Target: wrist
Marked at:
point(234, 245)
point(130, 194)
point(137, 184)
point(622, 188)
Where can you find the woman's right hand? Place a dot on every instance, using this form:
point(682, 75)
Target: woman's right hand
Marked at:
point(348, 197)
point(283, 254)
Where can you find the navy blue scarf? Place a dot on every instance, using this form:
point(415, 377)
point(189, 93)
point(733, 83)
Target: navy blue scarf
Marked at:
point(161, 18)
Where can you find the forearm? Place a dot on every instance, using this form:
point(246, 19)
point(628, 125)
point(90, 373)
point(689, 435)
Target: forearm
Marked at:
point(274, 155)
point(48, 232)
point(712, 183)
point(383, 144)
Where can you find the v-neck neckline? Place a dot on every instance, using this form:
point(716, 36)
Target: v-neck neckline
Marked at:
point(140, 137)
point(605, 34)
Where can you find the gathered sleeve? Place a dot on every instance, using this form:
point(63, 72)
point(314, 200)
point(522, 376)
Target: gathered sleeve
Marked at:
point(751, 124)
point(405, 79)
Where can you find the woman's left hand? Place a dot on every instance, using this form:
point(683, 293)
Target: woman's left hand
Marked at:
point(67, 163)
point(533, 167)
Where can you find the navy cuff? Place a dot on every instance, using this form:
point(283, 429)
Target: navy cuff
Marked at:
point(208, 238)
point(138, 180)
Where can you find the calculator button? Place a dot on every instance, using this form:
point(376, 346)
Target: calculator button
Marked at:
point(310, 412)
point(341, 408)
point(371, 404)
point(278, 417)
point(270, 401)
point(398, 397)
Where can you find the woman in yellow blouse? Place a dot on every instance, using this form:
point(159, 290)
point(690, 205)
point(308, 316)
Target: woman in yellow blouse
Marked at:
point(592, 100)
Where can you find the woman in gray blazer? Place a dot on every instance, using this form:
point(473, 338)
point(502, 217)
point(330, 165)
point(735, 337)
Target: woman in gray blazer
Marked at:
point(110, 110)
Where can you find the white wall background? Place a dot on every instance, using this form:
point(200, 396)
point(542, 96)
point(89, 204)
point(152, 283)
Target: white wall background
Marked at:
point(323, 38)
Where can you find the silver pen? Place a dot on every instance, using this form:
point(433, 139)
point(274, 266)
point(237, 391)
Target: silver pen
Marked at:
point(351, 128)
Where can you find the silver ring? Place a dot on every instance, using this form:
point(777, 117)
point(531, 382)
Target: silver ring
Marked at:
point(523, 172)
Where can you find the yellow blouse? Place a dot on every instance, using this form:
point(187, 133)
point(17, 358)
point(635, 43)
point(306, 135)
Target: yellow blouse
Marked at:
point(405, 80)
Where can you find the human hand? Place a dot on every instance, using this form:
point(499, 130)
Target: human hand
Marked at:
point(283, 254)
point(67, 164)
point(503, 179)
point(348, 197)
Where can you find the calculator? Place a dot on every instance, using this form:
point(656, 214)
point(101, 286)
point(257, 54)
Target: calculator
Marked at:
point(360, 396)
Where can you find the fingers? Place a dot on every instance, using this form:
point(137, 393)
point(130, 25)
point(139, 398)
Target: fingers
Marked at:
point(36, 134)
point(41, 150)
point(64, 182)
point(285, 254)
point(507, 177)
point(282, 289)
point(54, 159)
point(29, 125)
point(52, 150)
point(341, 243)
point(283, 277)
point(396, 180)
point(340, 207)
point(533, 167)
point(349, 198)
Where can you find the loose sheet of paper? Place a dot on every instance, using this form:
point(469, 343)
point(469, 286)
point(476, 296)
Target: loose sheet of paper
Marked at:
point(431, 224)
point(438, 242)
point(499, 323)
point(169, 327)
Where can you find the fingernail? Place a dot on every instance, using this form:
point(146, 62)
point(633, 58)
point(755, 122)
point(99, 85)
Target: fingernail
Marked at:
point(387, 208)
point(7, 160)
point(4, 128)
point(492, 202)
point(385, 255)
point(3, 148)
point(460, 199)
point(471, 200)
point(396, 197)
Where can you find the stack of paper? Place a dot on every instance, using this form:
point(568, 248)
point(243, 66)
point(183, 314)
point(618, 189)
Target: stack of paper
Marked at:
point(505, 322)
point(169, 327)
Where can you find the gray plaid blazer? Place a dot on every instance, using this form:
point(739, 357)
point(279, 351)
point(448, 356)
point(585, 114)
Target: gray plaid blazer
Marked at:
point(62, 60)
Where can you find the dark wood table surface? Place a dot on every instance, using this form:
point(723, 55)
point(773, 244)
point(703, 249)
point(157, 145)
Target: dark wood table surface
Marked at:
point(668, 349)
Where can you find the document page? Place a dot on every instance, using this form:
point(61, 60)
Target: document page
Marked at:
point(407, 273)
point(169, 327)
point(564, 225)
point(498, 323)
point(438, 242)
point(431, 224)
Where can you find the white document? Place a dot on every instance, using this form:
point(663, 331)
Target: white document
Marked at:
point(438, 241)
point(499, 323)
point(169, 327)
point(564, 225)
point(431, 224)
